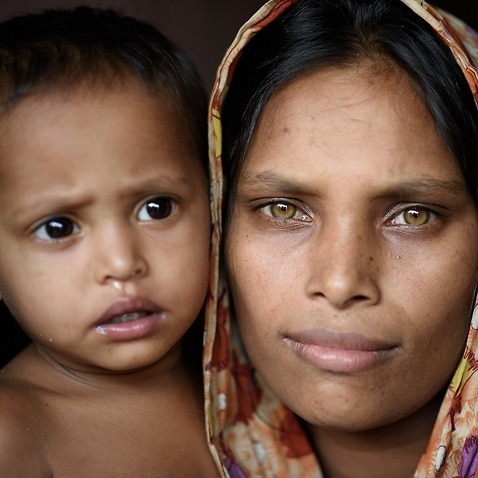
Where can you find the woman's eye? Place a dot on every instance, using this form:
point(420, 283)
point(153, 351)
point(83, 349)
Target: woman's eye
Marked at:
point(414, 216)
point(156, 208)
point(283, 211)
point(56, 228)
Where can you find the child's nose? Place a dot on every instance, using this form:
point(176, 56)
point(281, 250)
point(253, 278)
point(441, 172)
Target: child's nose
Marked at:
point(120, 258)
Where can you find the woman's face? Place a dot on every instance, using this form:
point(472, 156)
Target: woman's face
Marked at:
point(352, 249)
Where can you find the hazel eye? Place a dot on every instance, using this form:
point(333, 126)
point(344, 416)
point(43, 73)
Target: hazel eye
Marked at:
point(156, 208)
point(56, 228)
point(282, 210)
point(414, 216)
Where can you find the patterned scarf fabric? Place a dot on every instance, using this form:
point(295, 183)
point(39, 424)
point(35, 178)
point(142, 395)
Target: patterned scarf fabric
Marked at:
point(251, 433)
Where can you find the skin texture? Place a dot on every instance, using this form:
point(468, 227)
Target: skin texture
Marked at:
point(352, 259)
point(109, 172)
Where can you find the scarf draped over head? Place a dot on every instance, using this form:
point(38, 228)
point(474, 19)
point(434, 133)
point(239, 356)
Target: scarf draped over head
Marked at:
point(251, 433)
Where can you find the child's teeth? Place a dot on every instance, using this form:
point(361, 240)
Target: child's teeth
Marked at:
point(127, 317)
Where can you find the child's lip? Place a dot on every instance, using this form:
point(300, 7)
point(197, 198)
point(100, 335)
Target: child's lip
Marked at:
point(128, 305)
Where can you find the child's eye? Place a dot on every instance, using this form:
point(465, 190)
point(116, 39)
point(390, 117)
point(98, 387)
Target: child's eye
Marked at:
point(155, 208)
point(414, 216)
point(56, 228)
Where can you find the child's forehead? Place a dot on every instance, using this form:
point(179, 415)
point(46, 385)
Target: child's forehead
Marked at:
point(88, 85)
point(125, 93)
point(101, 129)
point(132, 99)
point(91, 109)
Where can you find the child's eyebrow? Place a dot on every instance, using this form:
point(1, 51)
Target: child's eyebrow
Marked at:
point(72, 199)
point(154, 181)
point(50, 201)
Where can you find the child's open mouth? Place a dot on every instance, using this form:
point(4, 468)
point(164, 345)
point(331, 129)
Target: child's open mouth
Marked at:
point(119, 319)
point(131, 318)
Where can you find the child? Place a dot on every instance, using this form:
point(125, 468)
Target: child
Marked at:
point(347, 131)
point(104, 248)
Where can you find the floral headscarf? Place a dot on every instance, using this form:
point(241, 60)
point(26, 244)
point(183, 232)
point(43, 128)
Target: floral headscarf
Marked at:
point(251, 433)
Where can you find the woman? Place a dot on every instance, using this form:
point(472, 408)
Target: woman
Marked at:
point(349, 152)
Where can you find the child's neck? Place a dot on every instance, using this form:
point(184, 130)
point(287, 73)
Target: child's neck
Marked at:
point(169, 369)
point(392, 451)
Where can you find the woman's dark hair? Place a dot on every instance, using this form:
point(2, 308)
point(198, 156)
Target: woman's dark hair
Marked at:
point(314, 34)
point(61, 49)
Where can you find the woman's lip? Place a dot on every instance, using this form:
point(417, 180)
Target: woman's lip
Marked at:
point(339, 352)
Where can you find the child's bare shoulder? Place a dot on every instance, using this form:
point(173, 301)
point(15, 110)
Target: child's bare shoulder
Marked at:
point(22, 424)
point(20, 441)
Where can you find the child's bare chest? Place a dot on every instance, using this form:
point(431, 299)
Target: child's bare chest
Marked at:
point(127, 438)
point(126, 427)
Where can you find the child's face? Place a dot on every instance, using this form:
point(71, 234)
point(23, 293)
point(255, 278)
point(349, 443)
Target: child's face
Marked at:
point(352, 251)
point(104, 227)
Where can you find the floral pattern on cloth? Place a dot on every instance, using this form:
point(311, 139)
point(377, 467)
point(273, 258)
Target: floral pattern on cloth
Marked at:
point(251, 433)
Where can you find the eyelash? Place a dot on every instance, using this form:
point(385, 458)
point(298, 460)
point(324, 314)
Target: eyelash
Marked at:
point(169, 209)
point(62, 221)
point(70, 228)
point(430, 215)
point(305, 216)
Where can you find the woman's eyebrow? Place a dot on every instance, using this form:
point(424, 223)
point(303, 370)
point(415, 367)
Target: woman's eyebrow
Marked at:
point(426, 187)
point(423, 187)
point(270, 180)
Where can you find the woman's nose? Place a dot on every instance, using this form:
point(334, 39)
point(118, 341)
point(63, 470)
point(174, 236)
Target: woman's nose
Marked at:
point(344, 269)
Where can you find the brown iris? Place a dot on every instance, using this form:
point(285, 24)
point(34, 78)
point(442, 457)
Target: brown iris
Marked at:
point(282, 210)
point(416, 217)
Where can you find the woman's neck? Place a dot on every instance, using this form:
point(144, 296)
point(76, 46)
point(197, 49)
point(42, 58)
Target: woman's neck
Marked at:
point(392, 451)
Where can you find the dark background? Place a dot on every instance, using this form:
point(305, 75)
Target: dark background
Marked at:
point(204, 29)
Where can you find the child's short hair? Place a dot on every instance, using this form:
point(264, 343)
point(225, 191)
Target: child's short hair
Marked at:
point(59, 50)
